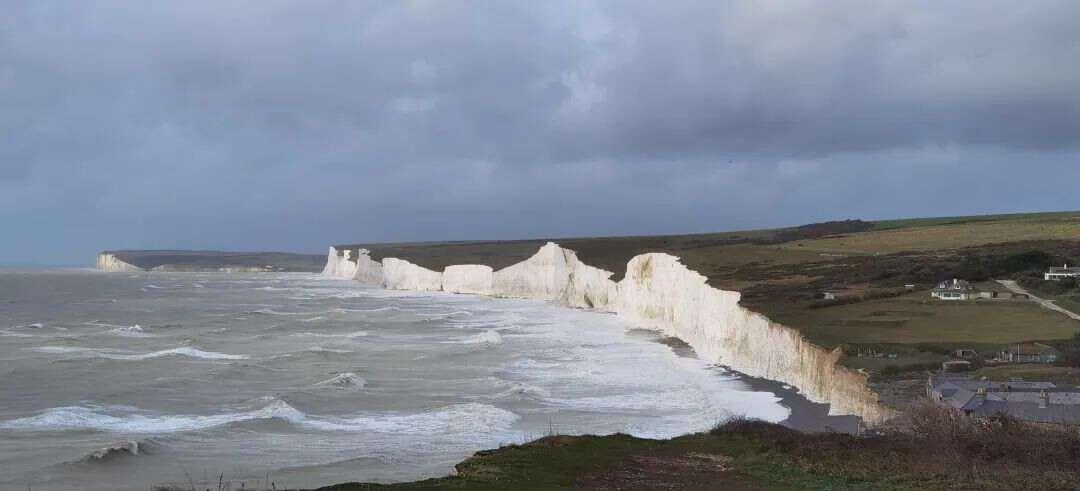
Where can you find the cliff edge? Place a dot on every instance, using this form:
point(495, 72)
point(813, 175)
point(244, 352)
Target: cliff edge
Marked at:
point(657, 292)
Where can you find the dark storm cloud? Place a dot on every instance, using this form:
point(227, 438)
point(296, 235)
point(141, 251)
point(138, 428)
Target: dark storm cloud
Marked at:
point(292, 125)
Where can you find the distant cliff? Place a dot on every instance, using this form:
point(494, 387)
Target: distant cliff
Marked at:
point(208, 261)
point(107, 261)
point(657, 292)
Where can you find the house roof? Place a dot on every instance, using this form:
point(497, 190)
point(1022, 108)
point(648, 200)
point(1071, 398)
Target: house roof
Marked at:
point(1030, 411)
point(954, 285)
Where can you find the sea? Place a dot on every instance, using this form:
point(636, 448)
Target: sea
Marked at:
point(115, 381)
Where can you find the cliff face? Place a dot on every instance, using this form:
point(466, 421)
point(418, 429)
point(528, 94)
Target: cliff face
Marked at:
point(469, 278)
point(657, 293)
point(338, 264)
point(109, 263)
point(354, 265)
point(403, 275)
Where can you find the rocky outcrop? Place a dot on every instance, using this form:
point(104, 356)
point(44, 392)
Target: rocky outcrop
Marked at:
point(338, 264)
point(399, 274)
point(354, 265)
point(109, 263)
point(660, 293)
point(476, 279)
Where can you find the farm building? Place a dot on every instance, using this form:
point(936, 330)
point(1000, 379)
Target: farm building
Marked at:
point(1055, 273)
point(954, 290)
point(1029, 353)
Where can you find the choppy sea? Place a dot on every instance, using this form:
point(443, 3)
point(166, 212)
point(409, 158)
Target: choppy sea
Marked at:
point(127, 381)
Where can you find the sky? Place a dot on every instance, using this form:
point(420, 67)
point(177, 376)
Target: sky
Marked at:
point(272, 125)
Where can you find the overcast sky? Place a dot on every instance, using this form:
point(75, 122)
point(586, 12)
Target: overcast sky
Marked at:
point(270, 125)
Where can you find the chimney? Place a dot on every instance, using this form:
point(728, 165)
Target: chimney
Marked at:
point(1044, 399)
point(980, 395)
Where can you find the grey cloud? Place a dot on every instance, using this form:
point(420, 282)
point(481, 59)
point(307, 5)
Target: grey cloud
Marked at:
point(291, 125)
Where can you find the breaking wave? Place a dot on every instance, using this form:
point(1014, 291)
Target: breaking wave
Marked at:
point(185, 351)
point(464, 419)
point(490, 337)
point(348, 335)
point(344, 381)
point(115, 355)
point(121, 449)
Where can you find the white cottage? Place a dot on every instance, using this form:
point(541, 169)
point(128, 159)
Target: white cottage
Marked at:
point(954, 290)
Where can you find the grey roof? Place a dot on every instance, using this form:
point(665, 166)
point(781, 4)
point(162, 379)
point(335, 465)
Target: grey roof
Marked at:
point(1019, 399)
point(1029, 411)
point(954, 285)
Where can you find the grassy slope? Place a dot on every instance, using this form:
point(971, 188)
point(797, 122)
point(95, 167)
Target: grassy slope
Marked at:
point(195, 260)
point(938, 451)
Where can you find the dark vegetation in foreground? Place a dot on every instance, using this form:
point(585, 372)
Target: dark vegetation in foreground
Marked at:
point(202, 260)
point(936, 449)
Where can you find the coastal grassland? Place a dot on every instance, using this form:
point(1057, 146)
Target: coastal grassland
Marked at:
point(954, 234)
point(1027, 371)
point(916, 318)
point(934, 450)
point(212, 260)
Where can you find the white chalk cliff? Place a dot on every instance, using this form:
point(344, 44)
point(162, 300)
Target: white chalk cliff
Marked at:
point(109, 263)
point(476, 279)
point(657, 292)
point(342, 264)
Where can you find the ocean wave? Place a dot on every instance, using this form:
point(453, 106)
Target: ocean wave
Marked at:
point(276, 312)
point(442, 315)
point(119, 355)
point(364, 311)
point(466, 420)
point(488, 338)
point(348, 335)
point(184, 351)
point(121, 449)
point(344, 381)
point(519, 390)
point(134, 331)
point(311, 350)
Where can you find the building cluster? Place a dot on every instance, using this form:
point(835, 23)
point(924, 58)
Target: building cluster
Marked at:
point(1039, 402)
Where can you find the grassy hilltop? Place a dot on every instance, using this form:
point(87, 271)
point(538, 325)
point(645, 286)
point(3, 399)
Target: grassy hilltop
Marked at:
point(213, 260)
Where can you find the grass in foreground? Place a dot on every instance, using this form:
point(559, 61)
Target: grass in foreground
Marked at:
point(937, 450)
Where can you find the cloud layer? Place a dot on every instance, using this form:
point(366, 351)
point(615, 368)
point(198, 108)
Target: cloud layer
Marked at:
point(292, 125)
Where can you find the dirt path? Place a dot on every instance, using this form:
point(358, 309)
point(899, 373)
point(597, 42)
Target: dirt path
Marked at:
point(1047, 304)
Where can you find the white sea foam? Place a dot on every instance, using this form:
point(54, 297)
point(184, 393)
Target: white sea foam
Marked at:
point(344, 381)
point(184, 351)
point(486, 338)
point(128, 356)
point(464, 420)
point(347, 335)
point(135, 331)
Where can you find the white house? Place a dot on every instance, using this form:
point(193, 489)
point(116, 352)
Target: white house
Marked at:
point(954, 290)
point(1055, 273)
